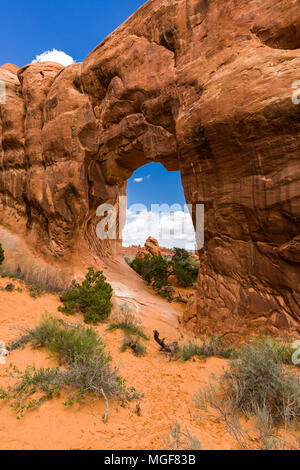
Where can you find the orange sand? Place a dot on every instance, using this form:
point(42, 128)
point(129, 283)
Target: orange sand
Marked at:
point(167, 387)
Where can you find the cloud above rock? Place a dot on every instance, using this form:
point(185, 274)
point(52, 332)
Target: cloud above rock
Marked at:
point(170, 229)
point(54, 56)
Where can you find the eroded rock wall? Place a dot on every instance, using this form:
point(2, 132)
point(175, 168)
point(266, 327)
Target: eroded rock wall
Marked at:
point(200, 86)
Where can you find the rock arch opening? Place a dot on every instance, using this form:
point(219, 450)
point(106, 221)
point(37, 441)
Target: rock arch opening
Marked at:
point(156, 207)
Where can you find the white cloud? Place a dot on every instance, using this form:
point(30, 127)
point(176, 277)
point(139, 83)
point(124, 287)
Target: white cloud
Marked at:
point(169, 229)
point(54, 56)
point(148, 177)
point(138, 180)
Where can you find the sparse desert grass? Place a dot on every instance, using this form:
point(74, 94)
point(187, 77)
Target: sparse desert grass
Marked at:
point(257, 380)
point(126, 321)
point(258, 385)
point(281, 348)
point(36, 291)
point(92, 298)
point(21, 264)
point(207, 348)
point(87, 370)
point(135, 345)
point(181, 440)
point(38, 282)
point(20, 342)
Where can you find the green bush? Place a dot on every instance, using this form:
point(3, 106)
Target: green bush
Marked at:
point(180, 255)
point(157, 269)
point(185, 277)
point(92, 298)
point(68, 343)
point(184, 269)
point(1, 254)
point(87, 370)
point(154, 269)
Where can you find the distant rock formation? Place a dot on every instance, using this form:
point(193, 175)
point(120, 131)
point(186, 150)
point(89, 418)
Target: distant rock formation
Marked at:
point(202, 87)
point(151, 248)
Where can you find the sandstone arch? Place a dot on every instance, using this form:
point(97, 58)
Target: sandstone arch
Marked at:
point(203, 87)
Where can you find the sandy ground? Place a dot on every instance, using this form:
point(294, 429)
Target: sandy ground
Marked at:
point(167, 386)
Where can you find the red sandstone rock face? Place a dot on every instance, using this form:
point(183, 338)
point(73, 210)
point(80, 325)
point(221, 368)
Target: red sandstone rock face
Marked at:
point(202, 87)
point(10, 68)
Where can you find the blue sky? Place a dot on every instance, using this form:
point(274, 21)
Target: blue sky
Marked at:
point(153, 184)
point(30, 28)
point(171, 225)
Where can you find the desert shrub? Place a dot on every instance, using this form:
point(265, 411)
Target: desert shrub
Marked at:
point(9, 287)
point(166, 292)
point(256, 385)
point(208, 348)
point(92, 298)
point(179, 440)
point(281, 349)
point(185, 270)
point(67, 342)
point(20, 342)
point(180, 256)
point(154, 269)
point(35, 291)
point(185, 277)
point(87, 370)
point(126, 321)
point(1, 254)
point(127, 260)
point(157, 269)
point(135, 345)
point(19, 274)
point(257, 380)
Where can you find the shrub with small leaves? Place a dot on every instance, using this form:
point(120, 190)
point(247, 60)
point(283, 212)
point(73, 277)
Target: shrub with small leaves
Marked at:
point(135, 345)
point(87, 370)
point(154, 269)
point(92, 298)
point(256, 380)
point(208, 348)
point(36, 291)
point(1, 254)
point(9, 287)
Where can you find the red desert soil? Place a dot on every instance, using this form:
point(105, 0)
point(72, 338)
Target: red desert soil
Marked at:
point(167, 387)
